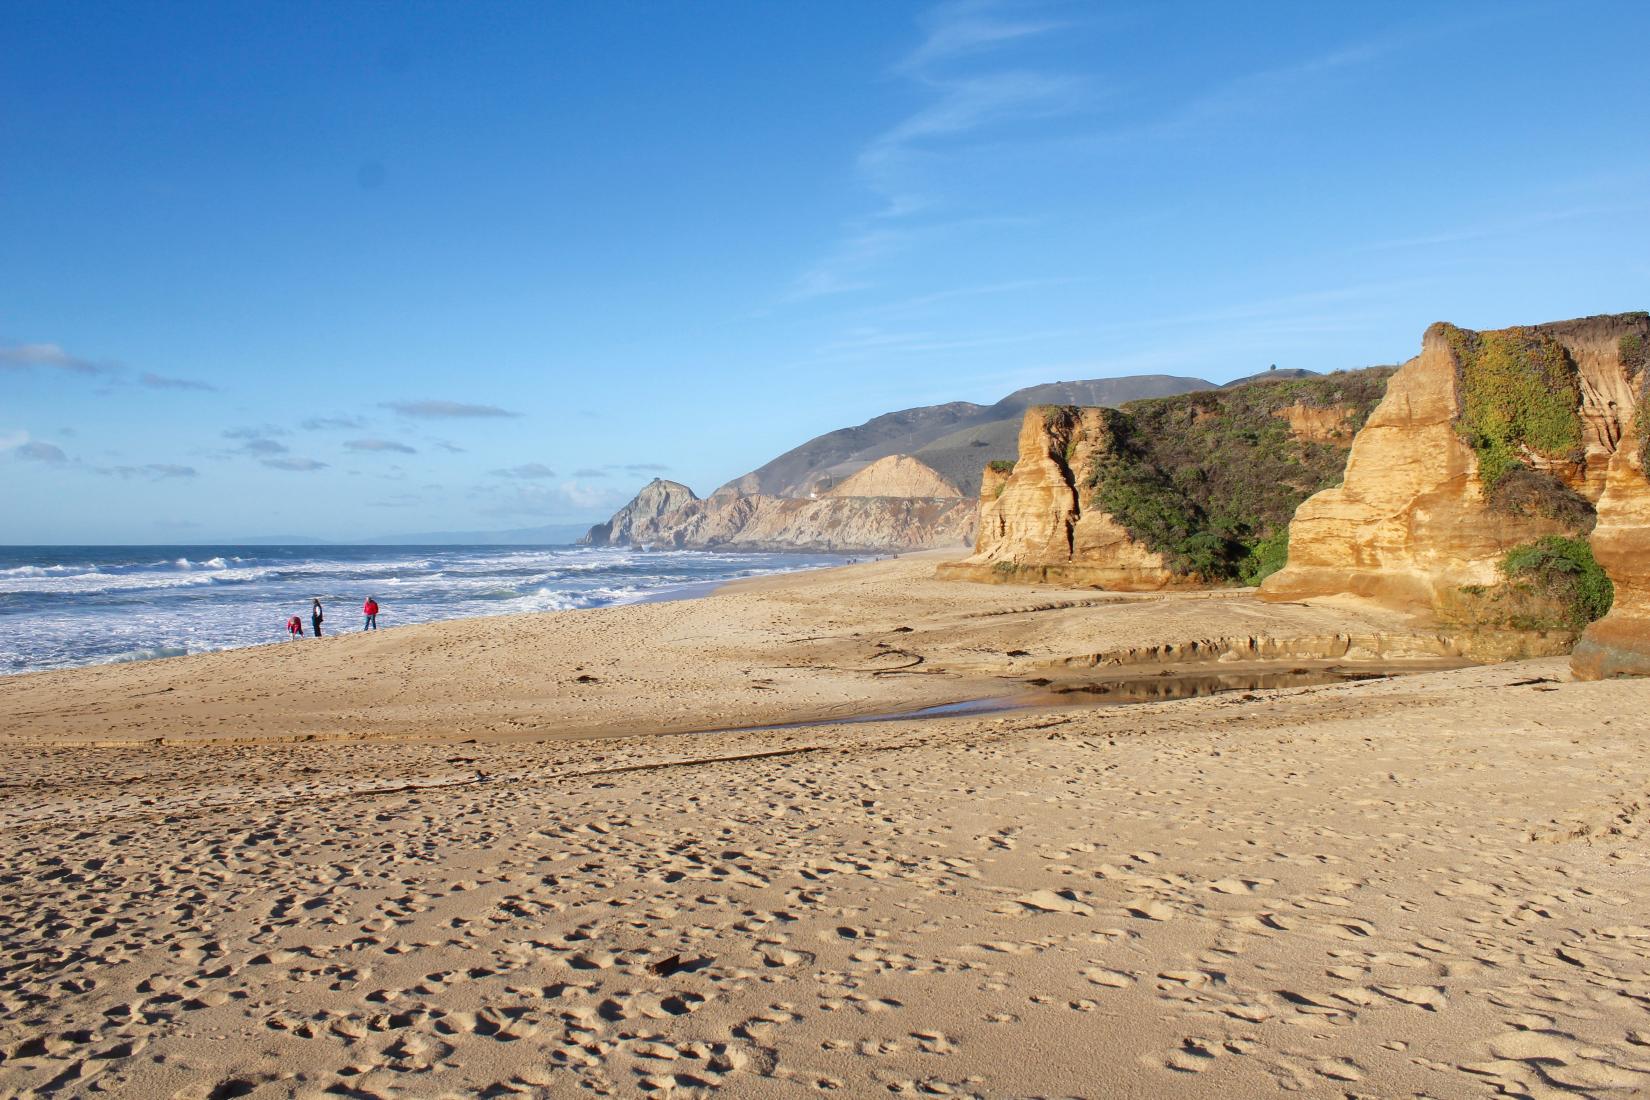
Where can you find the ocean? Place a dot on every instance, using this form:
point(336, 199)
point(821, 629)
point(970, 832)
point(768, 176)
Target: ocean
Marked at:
point(64, 606)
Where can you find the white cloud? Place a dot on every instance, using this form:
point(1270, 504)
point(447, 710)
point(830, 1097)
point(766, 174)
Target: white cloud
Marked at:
point(50, 356)
point(161, 382)
point(527, 470)
point(40, 451)
point(389, 445)
point(447, 409)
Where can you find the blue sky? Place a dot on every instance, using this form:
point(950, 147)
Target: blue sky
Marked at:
point(350, 269)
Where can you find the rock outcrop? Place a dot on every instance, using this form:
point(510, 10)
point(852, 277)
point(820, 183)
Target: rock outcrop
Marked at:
point(657, 499)
point(665, 514)
point(1171, 491)
point(1483, 443)
point(896, 476)
point(1619, 643)
point(955, 439)
point(1033, 525)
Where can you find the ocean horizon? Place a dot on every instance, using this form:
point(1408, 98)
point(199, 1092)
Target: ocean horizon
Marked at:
point(68, 606)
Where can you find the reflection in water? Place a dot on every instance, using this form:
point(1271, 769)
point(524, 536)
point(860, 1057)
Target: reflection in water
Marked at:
point(1193, 685)
point(1140, 688)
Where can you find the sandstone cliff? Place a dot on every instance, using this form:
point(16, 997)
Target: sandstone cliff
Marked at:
point(1619, 644)
point(1033, 525)
point(896, 476)
point(1484, 443)
point(665, 514)
point(1169, 491)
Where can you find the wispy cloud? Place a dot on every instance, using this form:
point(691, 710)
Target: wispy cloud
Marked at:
point(912, 166)
point(329, 423)
point(590, 471)
point(436, 410)
point(389, 445)
point(298, 465)
point(50, 357)
point(263, 447)
point(530, 470)
point(1516, 226)
point(969, 26)
point(644, 468)
point(158, 471)
point(37, 450)
point(161, 382)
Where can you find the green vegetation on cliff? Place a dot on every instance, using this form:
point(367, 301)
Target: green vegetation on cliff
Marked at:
point(1521, 395)
point(1551, 584)
point(1634, 356)
point(1210, 480)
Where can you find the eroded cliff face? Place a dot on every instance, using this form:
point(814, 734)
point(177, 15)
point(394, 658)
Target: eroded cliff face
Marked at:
point(1033, 525)
point(1169, 491)
point(674, 517)
point(1483, 443)
point(1619, 643)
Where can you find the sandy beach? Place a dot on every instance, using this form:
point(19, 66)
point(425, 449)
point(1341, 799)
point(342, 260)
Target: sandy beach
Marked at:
point(504, 857)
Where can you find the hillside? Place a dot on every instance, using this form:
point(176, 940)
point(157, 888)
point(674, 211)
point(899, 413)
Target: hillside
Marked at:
point(896, 476)
point(1198, 485)
point(825, 460)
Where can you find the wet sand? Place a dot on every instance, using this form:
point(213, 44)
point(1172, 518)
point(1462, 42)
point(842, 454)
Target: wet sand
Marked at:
point(485, 876)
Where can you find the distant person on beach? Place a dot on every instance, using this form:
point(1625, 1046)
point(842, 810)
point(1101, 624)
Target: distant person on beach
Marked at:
point(315, 617)
point(370, 610)
point(294, 628)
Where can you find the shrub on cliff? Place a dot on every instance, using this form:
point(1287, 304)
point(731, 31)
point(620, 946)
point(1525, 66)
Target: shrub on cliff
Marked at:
point(1521, 395)
point(1551, 584)
point(1211, 479)
point(1564, 569)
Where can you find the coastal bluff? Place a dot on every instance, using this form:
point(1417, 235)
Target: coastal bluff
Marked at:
point(1486, 443)
point(895, 504)
point(1168, 492)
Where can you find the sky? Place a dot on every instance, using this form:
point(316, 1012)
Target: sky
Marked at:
point(342, 270)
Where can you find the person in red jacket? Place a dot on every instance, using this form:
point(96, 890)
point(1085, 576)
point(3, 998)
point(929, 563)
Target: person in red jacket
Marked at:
point(370, 610)
point(294, 628)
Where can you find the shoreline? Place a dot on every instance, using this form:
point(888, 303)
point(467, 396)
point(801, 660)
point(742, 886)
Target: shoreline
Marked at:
point(663, 594)
point(801, 646)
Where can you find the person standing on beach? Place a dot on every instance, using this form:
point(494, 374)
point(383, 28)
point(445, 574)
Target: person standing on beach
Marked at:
point(315, 616)
point(370, 610)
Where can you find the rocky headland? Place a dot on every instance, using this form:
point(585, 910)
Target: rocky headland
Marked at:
point(895, 504)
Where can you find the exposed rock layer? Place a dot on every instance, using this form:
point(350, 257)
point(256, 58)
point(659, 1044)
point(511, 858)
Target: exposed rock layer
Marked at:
point(896, 476)
point(1412, 525)
point(1167, 491)
point(1033, 526)
point(666, 514)
point(1619, 643)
